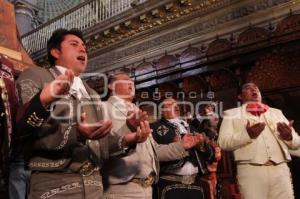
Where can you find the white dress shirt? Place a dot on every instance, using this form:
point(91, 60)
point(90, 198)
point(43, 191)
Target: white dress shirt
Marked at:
point(188, 168)
point(77, 86)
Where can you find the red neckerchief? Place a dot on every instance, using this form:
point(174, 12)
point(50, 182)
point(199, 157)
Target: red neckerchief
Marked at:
point(257, 108)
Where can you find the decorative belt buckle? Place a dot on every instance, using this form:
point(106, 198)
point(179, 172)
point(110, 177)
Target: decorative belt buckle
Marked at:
point(269, 163)
point(147, 182)
point(187, 180)
point(87, 169)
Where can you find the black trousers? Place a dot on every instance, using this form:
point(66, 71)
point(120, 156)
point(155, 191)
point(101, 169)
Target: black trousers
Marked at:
point(166, 189)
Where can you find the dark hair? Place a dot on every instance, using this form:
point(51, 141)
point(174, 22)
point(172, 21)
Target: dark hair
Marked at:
point(57, 38)
point(240, 87)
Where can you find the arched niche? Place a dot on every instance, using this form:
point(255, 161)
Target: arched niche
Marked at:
point(289, 24)
point(218, 46)
point(252, 35)
point(167, 61)
point(144, 70)
point(190, 56)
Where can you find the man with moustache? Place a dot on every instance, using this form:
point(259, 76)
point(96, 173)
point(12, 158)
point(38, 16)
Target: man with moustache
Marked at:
point(259, 137)
point(180, 178)
point(62, 128)
point(133, 175)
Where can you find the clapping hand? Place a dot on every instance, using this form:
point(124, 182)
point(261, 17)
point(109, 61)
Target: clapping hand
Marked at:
point(56, 88)
point(141, 135)
point(285, 130)
point(189, 140)
point(135, 117)
point(96, 130)
point(255, 130)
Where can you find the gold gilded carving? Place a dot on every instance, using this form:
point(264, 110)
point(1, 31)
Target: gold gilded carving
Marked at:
point(11, 53)
point(132, 24)
point(158, 13)
point(186, 2)
point(153, 18)
point(144, 18)
point(10, 44)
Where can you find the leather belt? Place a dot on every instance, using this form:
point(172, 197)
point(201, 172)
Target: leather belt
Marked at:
point(186, 179)
point(144, 182)
point(267, 163)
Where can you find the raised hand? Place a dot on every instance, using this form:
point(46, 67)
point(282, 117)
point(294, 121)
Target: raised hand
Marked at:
point(135, 117)
point(285, 130)
point(96, 130)
point(56, 88)
point(141, 135)
point(255, 130)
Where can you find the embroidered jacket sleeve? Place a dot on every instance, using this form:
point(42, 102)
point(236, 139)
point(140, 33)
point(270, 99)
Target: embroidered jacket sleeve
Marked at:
point(295, 142)
point(166, 149)
point(232, 135)
point(169, 152)
point(48, 131)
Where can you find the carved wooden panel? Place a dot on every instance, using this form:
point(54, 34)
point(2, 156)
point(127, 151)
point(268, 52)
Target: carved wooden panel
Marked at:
point(168, 89)
point(218, 46)
point(194, 84)
point(252, 35)
point(223, 79)
point(288, 24)
point(276, 70)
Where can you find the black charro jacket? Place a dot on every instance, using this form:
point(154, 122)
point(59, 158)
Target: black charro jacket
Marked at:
point(164, 132)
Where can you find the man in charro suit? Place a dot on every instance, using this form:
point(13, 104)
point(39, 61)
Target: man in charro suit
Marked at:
point(8, 109)
point(62, 127)
point(259, 137)
point(133, 175)
point(180, 178)
point(207, 121)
